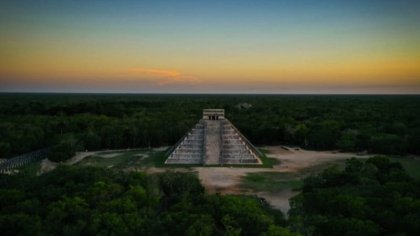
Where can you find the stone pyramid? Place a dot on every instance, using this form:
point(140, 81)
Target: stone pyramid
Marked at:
point(214, 141)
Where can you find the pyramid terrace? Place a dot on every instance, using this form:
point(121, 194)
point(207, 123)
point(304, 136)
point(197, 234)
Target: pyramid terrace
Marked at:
point(214, 140)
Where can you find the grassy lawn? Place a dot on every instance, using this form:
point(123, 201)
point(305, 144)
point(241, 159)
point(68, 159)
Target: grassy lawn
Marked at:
point(268, 162)
point(125, 159)
point(274, 182)
point(271, 181)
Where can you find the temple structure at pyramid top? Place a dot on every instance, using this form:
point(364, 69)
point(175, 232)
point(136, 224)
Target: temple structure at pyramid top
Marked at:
point(214, 141)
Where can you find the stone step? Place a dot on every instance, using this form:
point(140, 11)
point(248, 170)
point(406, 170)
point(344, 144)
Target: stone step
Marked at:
point(213, 142)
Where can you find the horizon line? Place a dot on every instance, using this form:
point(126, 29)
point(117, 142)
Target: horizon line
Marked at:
point(204, 93)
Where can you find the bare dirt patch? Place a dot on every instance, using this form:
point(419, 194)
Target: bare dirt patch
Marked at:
point(296, 159)
point(279, 149)
point(109, 155)
point(279, 200)
point(47, 165)
point(142, 155)
point(156, 170)
point(79, 157)
point(223, 180)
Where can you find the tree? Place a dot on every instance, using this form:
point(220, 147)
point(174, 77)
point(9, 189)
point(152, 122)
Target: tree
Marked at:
point(323, 135)
point(5, 149)
point(372, 197)
point(60, 152)
point(347, 141)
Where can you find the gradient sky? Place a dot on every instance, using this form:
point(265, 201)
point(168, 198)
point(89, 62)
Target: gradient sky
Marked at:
point(264, 46)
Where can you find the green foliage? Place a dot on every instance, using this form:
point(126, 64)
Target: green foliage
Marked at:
point(351, 123)
point(62, 151)
point(267, 161)
point(375, 197)
point(97, 201)
point(411, 165)
point(20, 224)
point(272, 181)
point(347, 141)
point(274, 230)
point(4, 149)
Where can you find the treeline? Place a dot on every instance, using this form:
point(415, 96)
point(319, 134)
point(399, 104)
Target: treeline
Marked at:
point(373, 197)
point(91, 201)
point(379, 124)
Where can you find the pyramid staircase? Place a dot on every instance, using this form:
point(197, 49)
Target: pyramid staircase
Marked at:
point(189, 150)
point(214, 141)
point(236, 149)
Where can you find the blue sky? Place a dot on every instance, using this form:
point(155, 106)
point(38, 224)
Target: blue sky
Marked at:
point(210, 46)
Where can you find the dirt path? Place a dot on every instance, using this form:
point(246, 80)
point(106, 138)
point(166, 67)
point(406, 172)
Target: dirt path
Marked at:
point(79, 157)
point(47, 165)
point(223, 179)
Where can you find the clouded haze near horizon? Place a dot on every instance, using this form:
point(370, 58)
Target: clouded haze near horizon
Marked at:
point(210, 46)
